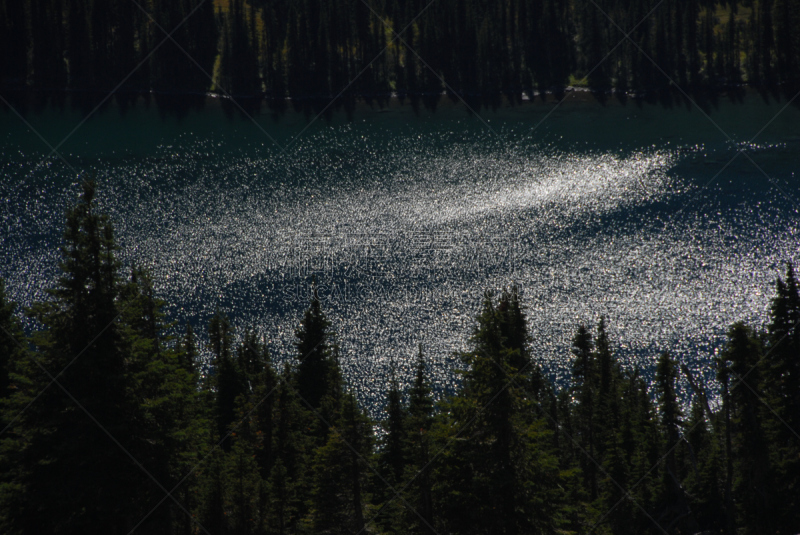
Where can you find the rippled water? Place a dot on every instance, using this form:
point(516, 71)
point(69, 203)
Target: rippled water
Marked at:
point(624, 211)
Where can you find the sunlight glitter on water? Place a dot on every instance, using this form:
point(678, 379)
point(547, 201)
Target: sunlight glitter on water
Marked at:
point(405, 238)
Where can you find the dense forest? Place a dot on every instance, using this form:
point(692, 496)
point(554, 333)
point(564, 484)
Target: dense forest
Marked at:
point(112, 425)
point(467, 48)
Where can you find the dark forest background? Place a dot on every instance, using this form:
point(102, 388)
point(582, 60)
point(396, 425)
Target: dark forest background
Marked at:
point(471, 48)
point(110, 424)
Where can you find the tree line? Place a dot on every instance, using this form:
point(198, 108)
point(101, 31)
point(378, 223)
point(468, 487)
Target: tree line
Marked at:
point(112, 425)
point(467, 48)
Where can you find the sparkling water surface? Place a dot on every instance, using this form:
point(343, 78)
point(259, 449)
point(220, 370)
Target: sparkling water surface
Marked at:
point(405, 218)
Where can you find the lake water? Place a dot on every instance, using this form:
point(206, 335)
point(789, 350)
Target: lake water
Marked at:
point(635, 212)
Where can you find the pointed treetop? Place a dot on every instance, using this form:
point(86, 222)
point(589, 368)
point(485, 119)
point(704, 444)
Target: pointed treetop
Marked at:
point(420, 402)
point(89, 188)
point(393, 371)
point(790, 276)
point(317, 353)
point(189, 348)
point(421, 364)
point(220, 333)
point(582, 366)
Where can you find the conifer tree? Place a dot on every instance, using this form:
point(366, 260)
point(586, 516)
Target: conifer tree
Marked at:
point(288, 480)
point(418, 454)
point(585, 382)
point(65, 437)
point(313, 352)
point(253, 447)
point(258, 401)
point(673, 500)
point(341, 473)
point(188, 350)
point(608, 377)
point(392, 461)
point(647, 453)
point(172, 426)
point(228, 381)
point(12, 342)
point(13, 358)
point(330, 409)
point(392, 457)
point(513, 325)
point(726, 429)
point(752, 485)
point(212, 511)
point(780, 367)
point(706, 471)
point(242, 488)
point(281, 499)
point(507, 464)
point(196, 414)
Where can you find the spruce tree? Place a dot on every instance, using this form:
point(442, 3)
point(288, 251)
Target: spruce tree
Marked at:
point(212, 514)
point(392, 455)
point(12, 343)
point(341, 473)
point(242, 488)
point(330, 409)
point(71, 475)
point(673, 500)
point(194, 413)
point(171, 426)
point(313, 352)
point(13, 358)
point(188, 349)
point(253, 436)
point(392, 460)
point(282, 498)
point(606, 409)
point(227, 379)
point(752, 486)
point(257, 405)
point(706, 472)
point(288, 482)
point(585, 381)
point(505, 477)
point(418, 454)
point(780, 368)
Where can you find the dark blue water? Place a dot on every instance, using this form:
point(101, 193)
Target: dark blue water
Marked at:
point(670, 222)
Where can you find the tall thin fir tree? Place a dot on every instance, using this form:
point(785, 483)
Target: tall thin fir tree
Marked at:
point(418, 454)
point(313, 351)
point(14, 393)
point(392, 457)
point(227, 381)
point(66, 436)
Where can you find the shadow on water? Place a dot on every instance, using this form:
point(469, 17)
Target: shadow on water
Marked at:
point(769, 93)
point(674, 97)
point(380, 100)
point(242, 106)
point(431, 101)
point(601, 95)
point(791, 92)
point(169, 105)
point(179, 106)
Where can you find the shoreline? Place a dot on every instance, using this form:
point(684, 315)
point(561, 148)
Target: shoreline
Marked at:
point(668, 95)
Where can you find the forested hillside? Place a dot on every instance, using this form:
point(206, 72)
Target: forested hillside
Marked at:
point(320, 48)
point(110, 425)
